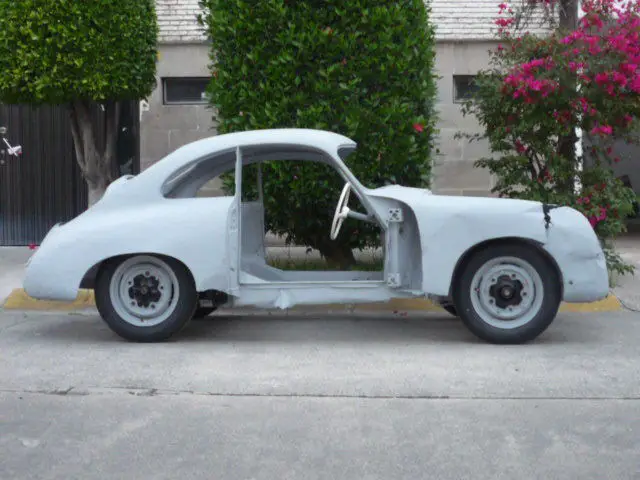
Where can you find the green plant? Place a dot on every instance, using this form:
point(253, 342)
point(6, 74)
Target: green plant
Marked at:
point(540, 90)
point(362, 68)
point(87, 55)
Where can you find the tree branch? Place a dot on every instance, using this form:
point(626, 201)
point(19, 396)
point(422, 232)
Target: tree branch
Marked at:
point(112, 121)
point(77, 138)
point(87, 135)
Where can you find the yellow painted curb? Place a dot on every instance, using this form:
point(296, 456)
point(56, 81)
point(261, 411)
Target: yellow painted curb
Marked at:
point(19, 300)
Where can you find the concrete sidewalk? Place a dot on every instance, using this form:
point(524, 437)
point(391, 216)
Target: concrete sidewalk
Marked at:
point(12, 263)
point(625, 294)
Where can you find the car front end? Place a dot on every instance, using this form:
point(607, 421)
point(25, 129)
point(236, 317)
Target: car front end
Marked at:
point(576, 249)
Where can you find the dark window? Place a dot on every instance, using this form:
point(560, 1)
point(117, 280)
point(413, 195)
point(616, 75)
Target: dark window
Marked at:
point(463, 87)
point(185, 90)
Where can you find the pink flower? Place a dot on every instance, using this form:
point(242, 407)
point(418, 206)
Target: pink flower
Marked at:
point(619, 79)
point(575, 66)
point(602, 130)
point(584, 104)
point(418, 127)
point(504, 22)
point(602, 78)
point(536, 85)
point(603, 214)
point(577, 35)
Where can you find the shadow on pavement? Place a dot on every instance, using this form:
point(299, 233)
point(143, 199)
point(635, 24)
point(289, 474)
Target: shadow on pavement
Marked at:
point(433, 328)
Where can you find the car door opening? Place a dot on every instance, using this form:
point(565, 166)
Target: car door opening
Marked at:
point(301, 263)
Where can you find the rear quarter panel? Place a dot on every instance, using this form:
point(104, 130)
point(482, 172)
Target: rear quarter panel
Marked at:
point(191, 230)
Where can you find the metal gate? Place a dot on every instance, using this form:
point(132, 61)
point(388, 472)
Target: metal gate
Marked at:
point(44, 185)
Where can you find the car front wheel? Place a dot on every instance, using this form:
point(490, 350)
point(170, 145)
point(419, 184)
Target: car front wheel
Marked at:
point(145, 298)
point(508, 294)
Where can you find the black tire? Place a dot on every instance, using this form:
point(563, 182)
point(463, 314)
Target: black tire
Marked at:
point(176, 321)
point(202, 312)
point(547, 311)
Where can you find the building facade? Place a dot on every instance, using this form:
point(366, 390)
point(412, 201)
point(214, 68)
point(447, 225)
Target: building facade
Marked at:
point(177, 113)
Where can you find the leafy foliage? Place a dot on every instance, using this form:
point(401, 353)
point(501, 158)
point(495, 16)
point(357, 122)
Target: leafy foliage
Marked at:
point(362, 68)
point(54, 51)
point(89, 55)
point(539, 90)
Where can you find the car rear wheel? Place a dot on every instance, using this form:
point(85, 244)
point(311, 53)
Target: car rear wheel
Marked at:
point(145, 298)
point(508, 294)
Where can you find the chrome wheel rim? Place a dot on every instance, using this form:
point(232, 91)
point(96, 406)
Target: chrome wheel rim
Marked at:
point(144, 291)
point(507, 292)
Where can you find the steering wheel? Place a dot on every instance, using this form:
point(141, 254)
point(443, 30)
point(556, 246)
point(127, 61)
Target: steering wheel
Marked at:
point(342, 211)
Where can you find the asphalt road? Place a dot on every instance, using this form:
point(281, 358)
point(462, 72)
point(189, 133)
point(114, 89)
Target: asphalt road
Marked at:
point(319, 397)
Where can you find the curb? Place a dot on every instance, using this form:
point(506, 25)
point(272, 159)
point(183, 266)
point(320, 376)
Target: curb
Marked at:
point(19, 300)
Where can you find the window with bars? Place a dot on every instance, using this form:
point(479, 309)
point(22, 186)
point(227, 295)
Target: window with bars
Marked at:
point(185, 90)
point(463, 87)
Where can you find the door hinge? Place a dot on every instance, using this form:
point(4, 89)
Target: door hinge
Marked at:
point(395, 215)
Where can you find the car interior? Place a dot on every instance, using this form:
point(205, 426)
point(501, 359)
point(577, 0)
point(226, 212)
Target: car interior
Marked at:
point(196, 179)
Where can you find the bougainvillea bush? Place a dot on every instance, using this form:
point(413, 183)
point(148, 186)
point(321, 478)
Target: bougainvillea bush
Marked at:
point(363, 68)
point(540, 89)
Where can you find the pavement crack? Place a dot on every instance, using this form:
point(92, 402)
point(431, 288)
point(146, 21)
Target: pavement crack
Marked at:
point(155, 392)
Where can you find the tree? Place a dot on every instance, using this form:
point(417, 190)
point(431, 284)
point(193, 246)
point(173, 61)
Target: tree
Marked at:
point(555, 14)
point(363, 68)
point(89, 56)
point(540, 89)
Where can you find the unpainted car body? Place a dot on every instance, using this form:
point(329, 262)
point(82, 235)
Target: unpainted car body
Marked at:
point(219, 241)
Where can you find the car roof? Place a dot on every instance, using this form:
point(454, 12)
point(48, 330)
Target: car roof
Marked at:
point(300, 137)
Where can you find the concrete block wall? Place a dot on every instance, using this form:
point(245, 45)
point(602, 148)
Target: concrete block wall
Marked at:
point(464, 31)
point(454, 172)
point(164, 128)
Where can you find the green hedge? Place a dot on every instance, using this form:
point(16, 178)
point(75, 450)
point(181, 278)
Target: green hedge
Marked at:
point(54, 51)
point(361, 68)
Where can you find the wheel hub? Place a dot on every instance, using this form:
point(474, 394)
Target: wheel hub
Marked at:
point(506, 292)
point(145, 290)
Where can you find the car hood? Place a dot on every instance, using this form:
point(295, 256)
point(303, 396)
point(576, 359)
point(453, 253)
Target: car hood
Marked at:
point(416, 197)
point(482, 218)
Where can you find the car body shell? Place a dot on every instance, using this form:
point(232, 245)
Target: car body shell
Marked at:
point(205, 234)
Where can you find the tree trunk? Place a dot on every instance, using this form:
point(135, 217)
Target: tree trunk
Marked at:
point(95, 193)
point(95, 163)
point(338, 255)
point(568, 19)
point(568, 16)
